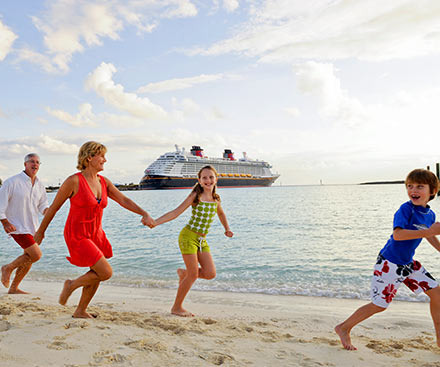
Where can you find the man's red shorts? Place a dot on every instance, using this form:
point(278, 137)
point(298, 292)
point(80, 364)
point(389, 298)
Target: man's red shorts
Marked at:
point(24, 240)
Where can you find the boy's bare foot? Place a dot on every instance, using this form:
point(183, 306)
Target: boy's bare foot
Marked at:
point(65, 293)
point(345, 338)
point(17, 291)
point(181, 312)
point(181, 273)
point(6, 274)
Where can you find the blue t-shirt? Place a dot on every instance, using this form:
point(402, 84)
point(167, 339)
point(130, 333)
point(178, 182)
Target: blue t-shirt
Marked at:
point(409, 216)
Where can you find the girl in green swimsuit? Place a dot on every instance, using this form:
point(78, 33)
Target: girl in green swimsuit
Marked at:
point(205, 203)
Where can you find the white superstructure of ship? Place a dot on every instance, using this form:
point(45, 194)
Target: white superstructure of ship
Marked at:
point(179, 169)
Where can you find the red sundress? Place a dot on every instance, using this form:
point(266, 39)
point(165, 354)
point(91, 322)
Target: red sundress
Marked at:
point(83, 232)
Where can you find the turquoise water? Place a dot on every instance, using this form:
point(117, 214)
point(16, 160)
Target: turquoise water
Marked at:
point(304, 240)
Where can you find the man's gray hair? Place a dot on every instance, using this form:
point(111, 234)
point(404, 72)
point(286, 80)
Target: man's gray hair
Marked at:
point(30, 155)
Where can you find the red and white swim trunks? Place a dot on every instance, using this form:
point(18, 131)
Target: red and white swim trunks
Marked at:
point(388, 277)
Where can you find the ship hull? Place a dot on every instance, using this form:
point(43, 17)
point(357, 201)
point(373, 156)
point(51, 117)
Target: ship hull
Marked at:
point(166, 182)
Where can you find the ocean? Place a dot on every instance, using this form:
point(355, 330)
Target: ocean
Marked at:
point(288, 240)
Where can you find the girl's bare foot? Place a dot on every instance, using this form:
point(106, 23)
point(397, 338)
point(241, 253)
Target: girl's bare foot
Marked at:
point(6, 274)
point(345, 338)
point(65, 293)
point(17, 291)
point(181, 312)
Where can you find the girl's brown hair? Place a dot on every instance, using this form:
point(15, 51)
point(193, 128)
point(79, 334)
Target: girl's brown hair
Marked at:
point(198, 189)
point(89, 149)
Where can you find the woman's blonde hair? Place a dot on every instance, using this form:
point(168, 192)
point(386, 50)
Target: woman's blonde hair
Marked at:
point(198, 189)
point(89, 149)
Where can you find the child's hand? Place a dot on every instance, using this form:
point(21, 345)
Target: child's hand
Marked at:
point(148, 221)
point(435, 229)
point(229, 233)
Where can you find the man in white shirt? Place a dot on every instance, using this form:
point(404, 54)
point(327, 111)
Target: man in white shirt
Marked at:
point(22, 197)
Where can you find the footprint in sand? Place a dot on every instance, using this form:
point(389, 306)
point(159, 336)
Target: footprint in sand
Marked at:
point(76, 324)
point(4, 325)
point(109, 357)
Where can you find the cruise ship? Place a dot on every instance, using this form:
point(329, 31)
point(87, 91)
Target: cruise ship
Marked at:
point(178, 170)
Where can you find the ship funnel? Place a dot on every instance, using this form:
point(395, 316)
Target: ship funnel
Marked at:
point(197, 151)
point(177, 148)
point(245, 157)
point(229, 154)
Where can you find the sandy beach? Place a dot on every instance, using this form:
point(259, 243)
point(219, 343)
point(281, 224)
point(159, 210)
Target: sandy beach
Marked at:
point(134, 328)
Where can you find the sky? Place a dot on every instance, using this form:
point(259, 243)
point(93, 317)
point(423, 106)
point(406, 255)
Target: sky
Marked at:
point(324, 90)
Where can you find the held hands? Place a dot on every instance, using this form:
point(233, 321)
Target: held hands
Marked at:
point(229, 233)
point(148, 221)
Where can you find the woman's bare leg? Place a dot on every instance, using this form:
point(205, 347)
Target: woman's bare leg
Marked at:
point(99, 272)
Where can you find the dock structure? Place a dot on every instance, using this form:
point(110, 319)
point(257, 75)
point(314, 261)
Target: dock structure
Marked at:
point(437, 173)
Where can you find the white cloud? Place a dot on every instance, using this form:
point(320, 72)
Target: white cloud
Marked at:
point(179, 83)
point(39, 59)
point(42, 144)
point(292, 111)
point(70, 26)
point(84, 117)
point(231, 5)
point(7, 38)
point(287, 30)
point(100, 80)
point(319, 80)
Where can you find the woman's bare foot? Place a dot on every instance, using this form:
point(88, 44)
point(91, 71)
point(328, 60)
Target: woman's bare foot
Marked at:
point(17, 291)
point(181, 273)
point(65, 293)
point(181, 312)
point(345, 338)
point(83, 315)
point(6, 275)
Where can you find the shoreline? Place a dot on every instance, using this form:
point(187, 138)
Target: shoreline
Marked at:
point(134, 327)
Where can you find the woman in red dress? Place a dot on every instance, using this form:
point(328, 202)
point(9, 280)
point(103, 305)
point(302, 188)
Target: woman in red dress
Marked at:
point(87, 243)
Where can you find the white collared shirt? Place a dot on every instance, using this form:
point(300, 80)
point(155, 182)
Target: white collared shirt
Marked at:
point(20, 202)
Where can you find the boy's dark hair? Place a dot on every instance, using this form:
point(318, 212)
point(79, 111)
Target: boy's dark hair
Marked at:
point(423, 176)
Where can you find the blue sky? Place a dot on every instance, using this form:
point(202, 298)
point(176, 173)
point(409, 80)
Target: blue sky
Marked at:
point(338, 91)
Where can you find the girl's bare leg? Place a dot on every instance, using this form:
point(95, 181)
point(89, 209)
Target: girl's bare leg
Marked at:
point(190, 276)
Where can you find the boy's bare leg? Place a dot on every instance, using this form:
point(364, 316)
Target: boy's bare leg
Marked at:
point(361, 314)
point(19, 275)
point(434, 305)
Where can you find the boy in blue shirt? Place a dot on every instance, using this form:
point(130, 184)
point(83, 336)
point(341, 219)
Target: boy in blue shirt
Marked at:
point(395, 264)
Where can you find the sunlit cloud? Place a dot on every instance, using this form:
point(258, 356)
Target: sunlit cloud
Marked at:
point(84, 117)
point(288, 30)
point(43, 144)
point(179, 83)
point(70, 27)
point(319, 80)
point(7, 39)
point(100, 81)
